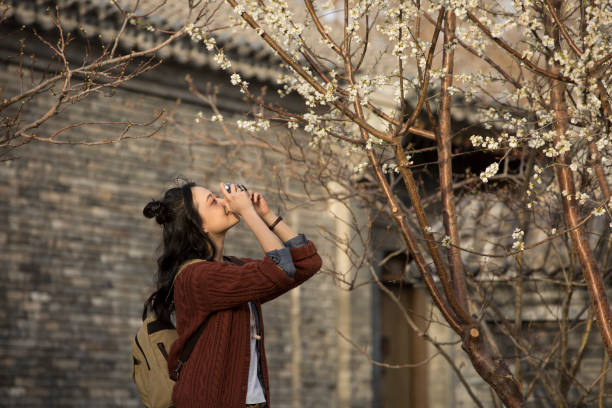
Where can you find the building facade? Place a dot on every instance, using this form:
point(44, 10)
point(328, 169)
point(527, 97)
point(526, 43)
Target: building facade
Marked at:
point(78, 256)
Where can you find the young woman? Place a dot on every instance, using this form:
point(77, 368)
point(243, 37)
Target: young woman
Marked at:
point(227, 367)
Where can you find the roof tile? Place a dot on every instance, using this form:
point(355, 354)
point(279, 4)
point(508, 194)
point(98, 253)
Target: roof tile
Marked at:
point(100, 17)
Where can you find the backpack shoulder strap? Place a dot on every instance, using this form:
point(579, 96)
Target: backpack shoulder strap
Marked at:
point(235, 260)
point(188, 348)
point(183, 266)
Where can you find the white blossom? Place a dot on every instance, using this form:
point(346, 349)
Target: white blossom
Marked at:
point(446, 241)
point(476, 140)
point(222, 60)
point(209, 42)
point(517, 236)
point(489, 172)
point(388, 167)
point(292, 124)
point(582, 197)
point(360, 167)
point(253, 125)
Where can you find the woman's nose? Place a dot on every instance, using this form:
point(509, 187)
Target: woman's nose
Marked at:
point(224, 205)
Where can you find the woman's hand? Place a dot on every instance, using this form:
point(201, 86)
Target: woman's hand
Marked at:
point(260, 204)
point(236, 200)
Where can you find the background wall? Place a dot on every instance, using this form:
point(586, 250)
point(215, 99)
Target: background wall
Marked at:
point(78, 258)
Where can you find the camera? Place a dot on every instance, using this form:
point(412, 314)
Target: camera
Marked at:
point(240, 186)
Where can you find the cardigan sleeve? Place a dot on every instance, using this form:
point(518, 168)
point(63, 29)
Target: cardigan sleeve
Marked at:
point(282, 257)
point(306, 261)
point(222, 285)
point(297, 241)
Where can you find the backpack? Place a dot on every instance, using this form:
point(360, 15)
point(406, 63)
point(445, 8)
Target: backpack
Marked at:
point(150, 349)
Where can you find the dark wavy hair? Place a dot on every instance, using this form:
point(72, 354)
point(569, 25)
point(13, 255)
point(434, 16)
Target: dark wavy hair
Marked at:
point(183, 238)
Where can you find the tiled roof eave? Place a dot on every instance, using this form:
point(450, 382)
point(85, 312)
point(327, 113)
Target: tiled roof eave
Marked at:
point(252, 64)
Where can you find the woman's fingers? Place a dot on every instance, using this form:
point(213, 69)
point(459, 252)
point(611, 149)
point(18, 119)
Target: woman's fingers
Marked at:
point(236, 202)
point(223, 190)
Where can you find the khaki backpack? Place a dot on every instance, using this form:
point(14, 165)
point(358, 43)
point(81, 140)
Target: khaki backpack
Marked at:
point(150, 357)
point(150, 350)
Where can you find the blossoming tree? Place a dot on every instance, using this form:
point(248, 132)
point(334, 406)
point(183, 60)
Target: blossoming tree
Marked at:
point(370, 70)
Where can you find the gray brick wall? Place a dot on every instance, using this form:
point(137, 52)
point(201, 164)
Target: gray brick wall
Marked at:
point(78, 257)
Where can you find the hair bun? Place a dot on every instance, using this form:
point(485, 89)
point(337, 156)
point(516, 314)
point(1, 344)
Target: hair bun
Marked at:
point(156, 209)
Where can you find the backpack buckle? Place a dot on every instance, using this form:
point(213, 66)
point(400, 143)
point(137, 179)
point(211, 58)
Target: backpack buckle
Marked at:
point(175, 373)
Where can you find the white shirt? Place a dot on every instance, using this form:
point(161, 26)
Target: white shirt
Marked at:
point(255, 392)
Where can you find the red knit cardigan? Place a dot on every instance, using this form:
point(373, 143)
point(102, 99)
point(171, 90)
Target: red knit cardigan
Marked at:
point(216, 374)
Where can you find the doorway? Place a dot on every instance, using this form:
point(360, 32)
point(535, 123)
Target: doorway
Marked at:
point(404, 387)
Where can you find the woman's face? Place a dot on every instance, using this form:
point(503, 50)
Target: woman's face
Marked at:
point(216, 217)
